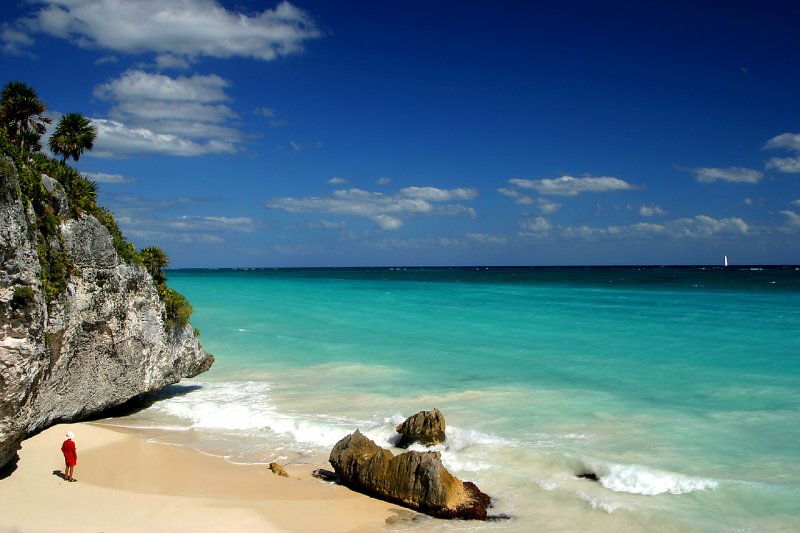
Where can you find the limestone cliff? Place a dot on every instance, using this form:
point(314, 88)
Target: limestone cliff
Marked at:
point(103, 341)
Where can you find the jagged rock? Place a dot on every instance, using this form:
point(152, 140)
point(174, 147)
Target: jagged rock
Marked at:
point(100, 343)
point(57, 191)
point(425, 427)
point(414, 479)
point(278, 470)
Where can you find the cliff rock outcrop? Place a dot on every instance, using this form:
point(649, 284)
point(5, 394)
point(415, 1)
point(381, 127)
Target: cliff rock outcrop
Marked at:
point(414, 479)
point(425, 427)
point(101, 342)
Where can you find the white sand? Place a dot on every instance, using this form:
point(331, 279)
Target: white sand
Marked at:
point(128, 484)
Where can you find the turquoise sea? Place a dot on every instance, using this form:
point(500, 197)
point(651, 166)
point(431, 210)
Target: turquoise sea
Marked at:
point(678, 387)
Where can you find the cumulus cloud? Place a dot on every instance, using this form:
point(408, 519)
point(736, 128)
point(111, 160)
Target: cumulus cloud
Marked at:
point(570, 186)
point(789, 142)
point(115, 139)
point(651, 210)
point(156, 113)
point(536, 226)
point(136, 86)
point(337, 181)
point(788, 165)
point(387, 211)
point(796, 202)
point(186, 29)
point(729, 174)
point(784, 141)
point(384, 181)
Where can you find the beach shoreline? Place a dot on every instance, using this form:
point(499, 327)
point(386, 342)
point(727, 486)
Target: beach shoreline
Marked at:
point(128, 483)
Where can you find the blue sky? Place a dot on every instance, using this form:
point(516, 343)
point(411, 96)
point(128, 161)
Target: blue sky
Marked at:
point(367, 133)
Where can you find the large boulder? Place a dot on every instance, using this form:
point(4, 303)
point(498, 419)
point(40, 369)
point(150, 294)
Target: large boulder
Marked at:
point(425, 427)
point(413, 479)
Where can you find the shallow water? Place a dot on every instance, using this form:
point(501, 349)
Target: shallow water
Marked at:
point(678, 387)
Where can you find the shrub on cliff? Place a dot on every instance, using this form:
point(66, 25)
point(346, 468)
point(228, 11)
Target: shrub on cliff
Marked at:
point(178, 307)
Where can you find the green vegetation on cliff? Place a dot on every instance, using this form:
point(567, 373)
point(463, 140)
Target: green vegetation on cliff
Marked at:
point(22, 125)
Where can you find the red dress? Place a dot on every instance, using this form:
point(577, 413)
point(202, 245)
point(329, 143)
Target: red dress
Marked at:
point(70, 455)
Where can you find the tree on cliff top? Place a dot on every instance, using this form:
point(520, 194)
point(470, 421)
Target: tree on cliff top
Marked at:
point(74, 133)
point(154, 260)
point(22, 113)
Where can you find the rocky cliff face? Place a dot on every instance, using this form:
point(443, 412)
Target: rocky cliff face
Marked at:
point(101, 343)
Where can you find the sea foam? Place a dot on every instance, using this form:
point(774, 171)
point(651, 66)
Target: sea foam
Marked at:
point(637, 479)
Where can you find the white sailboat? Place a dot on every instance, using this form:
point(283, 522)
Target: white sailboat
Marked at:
point(726, 260)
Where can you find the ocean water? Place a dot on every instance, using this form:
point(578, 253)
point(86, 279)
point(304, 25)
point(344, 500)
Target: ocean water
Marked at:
point(678, 387)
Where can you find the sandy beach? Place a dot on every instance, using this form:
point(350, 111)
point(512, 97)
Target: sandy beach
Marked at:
point(126, 483)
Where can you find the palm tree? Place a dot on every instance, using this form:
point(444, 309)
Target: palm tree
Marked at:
point(74, 134)
point(22, 113)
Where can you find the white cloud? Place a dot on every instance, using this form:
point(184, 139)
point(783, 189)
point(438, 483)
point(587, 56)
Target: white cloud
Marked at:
point(387, 222)
point(789, 165)
point(139, 86)
point(545, 206)
point(789, 142)
point(794, 218)
point(115, 139)
point(484, 238)
point(208, 223)
point(337, 181)
point(698, 227)
point(387, 211)
point(271, 114)
point(265, 112)
point(785, 141)
point(434, 194)
point(796, 202)
point(169, 61)
point(296, 146)
point(537, 226)
point(327, 224)
point(160, 221)
point(102, 177)
point(729, 174)
point(106, 60)
point(384, 181)
point(14, 42)
point(570, 186)
point(155, 113)
point(651, 210)
point(178, 28)
point(419, 244)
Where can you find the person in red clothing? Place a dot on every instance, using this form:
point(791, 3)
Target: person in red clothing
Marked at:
point(70, 456)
